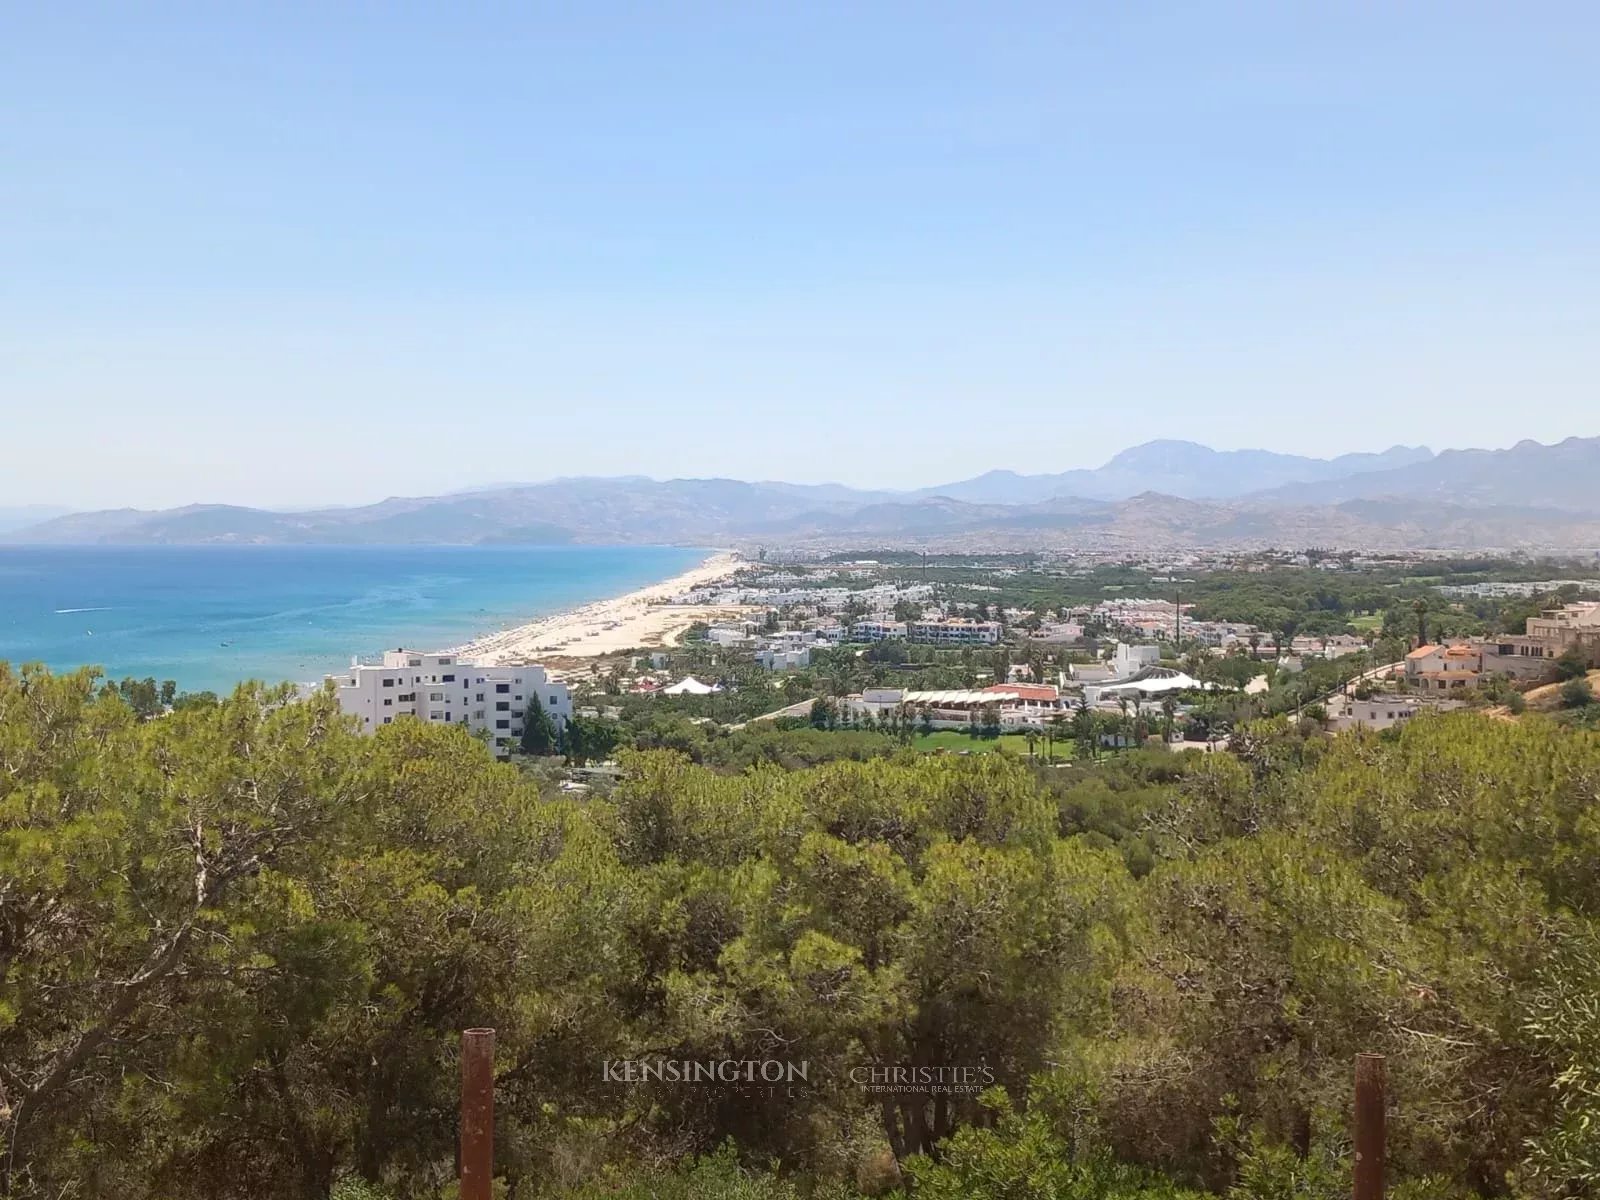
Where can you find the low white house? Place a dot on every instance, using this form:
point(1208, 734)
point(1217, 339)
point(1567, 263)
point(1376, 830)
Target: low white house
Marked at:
point(778, 658)
point(1379, 712)
point(444, 689)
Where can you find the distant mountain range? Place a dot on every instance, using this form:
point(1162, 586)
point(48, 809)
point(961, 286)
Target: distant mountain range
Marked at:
point(1163, 493)
point(1185, 469)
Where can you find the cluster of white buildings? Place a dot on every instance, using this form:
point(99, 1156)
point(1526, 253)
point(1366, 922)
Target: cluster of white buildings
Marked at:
point(933, 631)
point(1148, 618)
point(444, 689)
point(1511, 591)
point(775, 592)
point(1014, 705)
point(780, 650)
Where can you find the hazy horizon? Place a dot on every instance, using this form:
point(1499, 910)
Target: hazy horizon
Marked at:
point(314, 257)
point(308, 506)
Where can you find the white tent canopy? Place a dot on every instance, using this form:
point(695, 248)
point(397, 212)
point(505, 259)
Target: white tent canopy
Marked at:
point(1155, 681)
point(690, 686)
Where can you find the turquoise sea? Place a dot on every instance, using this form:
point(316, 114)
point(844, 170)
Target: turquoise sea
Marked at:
point(209, 616)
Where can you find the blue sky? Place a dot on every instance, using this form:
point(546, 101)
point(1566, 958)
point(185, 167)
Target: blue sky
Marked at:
point(326, 253)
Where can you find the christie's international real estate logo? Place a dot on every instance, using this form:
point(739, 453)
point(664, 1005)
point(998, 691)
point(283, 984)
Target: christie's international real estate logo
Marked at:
point(922, 1080)
point(774, 1071)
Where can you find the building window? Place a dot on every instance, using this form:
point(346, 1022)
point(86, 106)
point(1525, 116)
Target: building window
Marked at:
point(502, 724)
point(479, 697)
point(503, 706)
point(388, 683)
point(447, 679)
point(387, 702)
point(554, 701)
point(435, 695)
point(502, 688)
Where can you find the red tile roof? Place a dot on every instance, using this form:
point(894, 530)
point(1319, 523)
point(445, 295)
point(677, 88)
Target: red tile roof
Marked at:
point(1027, 691)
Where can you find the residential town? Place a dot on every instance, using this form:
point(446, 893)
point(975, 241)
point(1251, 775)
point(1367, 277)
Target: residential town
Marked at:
point(918, 651)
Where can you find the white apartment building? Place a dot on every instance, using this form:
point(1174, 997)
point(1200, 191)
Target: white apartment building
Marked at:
point(954, 631)
point(444, 689)
point(878, 629)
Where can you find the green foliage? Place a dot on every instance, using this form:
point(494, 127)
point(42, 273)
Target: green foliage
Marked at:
point(1022, 1157)
point(1564, 1017)
point(589, 739)
point(539, 733)
point(1571, 664)
point(1576, 693)
point(238, 943)
point(717, 1176)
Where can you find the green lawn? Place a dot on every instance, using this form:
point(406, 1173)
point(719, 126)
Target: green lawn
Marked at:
point(953, 740)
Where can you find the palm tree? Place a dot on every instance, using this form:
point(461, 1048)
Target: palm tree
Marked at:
point(1058, 729)
point(1169, 705)
point(1083, 727)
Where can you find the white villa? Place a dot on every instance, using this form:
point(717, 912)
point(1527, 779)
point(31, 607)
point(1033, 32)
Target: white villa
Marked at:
point(444, 689)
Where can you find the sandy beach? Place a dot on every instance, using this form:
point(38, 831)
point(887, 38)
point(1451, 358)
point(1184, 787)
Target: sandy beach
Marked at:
point(641, 618)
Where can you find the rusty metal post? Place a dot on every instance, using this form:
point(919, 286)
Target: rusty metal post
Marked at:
point(477, 1114)
point(1370, 1081)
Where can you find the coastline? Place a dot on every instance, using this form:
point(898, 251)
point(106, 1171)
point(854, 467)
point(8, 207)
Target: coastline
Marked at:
point(213, 616)
point(640, 619)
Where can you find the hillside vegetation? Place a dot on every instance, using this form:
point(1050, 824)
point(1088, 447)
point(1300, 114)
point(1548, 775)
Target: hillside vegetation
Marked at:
point(238, 944)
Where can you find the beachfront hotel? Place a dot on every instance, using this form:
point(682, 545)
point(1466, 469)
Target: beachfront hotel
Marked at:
point(445, 689)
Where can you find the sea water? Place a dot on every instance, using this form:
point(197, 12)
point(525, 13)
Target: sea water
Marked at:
point(210, 616)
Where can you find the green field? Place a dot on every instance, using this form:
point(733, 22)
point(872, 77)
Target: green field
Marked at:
point(953, 740)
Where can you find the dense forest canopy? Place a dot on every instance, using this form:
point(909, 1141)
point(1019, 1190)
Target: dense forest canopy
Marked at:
point(238, 943)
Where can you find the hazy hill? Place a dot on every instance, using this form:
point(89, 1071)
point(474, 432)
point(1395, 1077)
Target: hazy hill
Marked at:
point(589, 510)
point(1184, 469)
point(1565, 477)
point(1530, 495)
